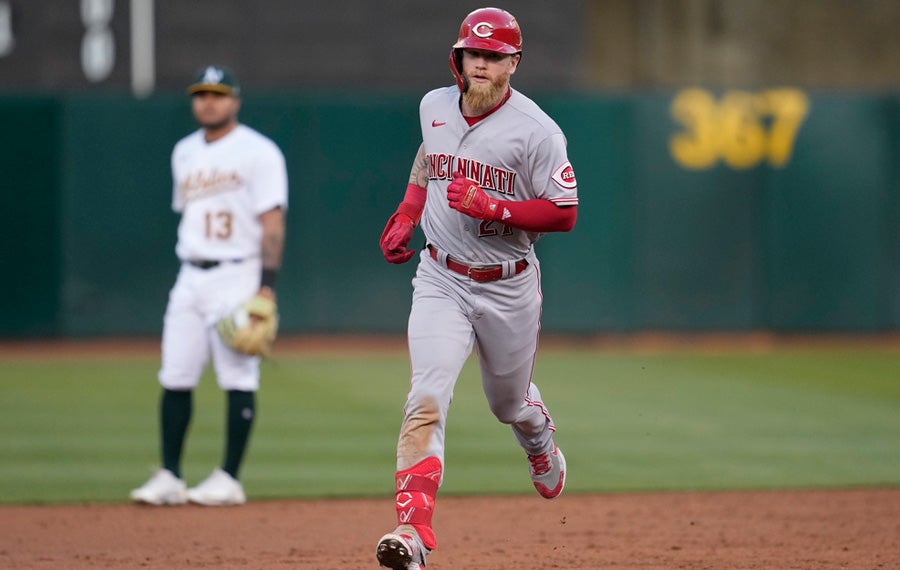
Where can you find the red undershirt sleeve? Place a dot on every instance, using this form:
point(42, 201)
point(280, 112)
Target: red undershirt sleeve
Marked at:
point(537, 215)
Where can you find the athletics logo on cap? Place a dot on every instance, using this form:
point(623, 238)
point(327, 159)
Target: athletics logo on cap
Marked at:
point(212, 75)
point(216, 79)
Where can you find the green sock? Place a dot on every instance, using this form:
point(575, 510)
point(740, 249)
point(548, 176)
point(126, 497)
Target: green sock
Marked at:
point(175, 409)
point(240, 416)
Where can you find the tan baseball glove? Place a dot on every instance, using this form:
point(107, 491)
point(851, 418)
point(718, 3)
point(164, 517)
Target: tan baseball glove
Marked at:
point(251, 328)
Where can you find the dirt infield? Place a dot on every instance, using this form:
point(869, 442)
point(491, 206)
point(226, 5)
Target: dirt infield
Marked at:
point(736, 530)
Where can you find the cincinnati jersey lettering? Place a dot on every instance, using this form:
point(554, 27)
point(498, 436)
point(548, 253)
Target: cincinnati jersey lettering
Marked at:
point(445, 166)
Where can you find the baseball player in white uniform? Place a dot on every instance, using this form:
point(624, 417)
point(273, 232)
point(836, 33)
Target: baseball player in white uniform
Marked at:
point(490, 177)
point(230, 187)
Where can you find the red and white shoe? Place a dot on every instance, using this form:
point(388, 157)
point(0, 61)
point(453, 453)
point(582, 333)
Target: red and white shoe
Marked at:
point(401, 550)
point(548, 472)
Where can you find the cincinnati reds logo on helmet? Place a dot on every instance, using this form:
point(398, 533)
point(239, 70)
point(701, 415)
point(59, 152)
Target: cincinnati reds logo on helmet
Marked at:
point(483, 29)
point(490, 29)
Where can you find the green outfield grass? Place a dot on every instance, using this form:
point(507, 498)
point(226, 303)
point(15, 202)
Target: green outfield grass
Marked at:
point(73, 431)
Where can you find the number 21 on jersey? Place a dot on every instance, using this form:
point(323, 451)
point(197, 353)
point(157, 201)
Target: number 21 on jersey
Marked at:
point(488, 228)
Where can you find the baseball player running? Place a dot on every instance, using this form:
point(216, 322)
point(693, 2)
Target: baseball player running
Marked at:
point(230, 187)
point(490, 177)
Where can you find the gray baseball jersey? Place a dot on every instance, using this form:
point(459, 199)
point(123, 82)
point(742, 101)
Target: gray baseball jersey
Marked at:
point(515, 153)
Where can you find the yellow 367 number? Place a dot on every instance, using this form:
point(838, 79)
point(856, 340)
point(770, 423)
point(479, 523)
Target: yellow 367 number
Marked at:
point(742, 129)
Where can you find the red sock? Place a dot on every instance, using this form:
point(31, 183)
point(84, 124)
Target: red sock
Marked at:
point(416, 490)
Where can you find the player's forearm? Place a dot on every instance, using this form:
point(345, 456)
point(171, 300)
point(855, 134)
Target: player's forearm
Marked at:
point(418, 174)
point(272, 245)
point(537, 215)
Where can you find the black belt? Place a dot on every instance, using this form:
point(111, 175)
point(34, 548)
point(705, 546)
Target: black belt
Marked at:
point(210, 263)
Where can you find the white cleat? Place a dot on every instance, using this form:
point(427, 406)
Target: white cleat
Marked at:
point(218, 490)
point(164, 488)
point(401, 550)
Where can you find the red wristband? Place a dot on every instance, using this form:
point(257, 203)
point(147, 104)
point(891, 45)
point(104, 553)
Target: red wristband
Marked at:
point(415, 195)
point(413, 202)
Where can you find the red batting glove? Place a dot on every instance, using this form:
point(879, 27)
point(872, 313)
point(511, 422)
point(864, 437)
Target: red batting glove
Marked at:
point(395, 238)
point(400, 225)
point(464, 195)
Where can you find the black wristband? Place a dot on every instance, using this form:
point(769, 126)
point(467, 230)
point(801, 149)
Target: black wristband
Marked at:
point(268, 278)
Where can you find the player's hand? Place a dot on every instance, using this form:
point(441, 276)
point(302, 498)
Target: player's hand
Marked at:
point(251, 328)
point(265, 292)
point(395, 238)
point(464, 195)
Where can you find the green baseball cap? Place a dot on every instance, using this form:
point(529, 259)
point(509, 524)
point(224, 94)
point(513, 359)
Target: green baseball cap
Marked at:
point(217, 79)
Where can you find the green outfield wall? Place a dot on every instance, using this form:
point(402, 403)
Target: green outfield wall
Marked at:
point(771, 209)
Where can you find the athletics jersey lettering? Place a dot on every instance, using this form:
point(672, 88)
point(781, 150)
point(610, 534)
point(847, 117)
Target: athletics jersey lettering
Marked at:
point(200, 184)
point(444, 166)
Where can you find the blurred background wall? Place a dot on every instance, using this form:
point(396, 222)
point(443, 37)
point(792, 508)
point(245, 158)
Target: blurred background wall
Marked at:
point(737, 159)
point(570, 44)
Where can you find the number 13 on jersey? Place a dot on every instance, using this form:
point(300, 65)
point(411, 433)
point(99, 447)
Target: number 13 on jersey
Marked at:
point(218, 225)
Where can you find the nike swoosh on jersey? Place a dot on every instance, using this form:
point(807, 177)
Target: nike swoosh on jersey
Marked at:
point(436, 123)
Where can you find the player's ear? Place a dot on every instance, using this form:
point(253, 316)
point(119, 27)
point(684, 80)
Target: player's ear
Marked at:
point(514, 63)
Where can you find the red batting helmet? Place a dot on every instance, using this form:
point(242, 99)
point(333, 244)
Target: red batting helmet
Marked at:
point(490, 29)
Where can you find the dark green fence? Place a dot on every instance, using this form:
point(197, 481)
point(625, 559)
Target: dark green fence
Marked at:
point(699, 211)
point(30, 150)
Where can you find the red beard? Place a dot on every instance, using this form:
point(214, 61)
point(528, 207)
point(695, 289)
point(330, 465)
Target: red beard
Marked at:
point(482, 97)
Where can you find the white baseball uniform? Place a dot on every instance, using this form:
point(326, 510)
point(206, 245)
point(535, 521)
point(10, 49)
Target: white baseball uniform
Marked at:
point(515, 153)
point(220, 190)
